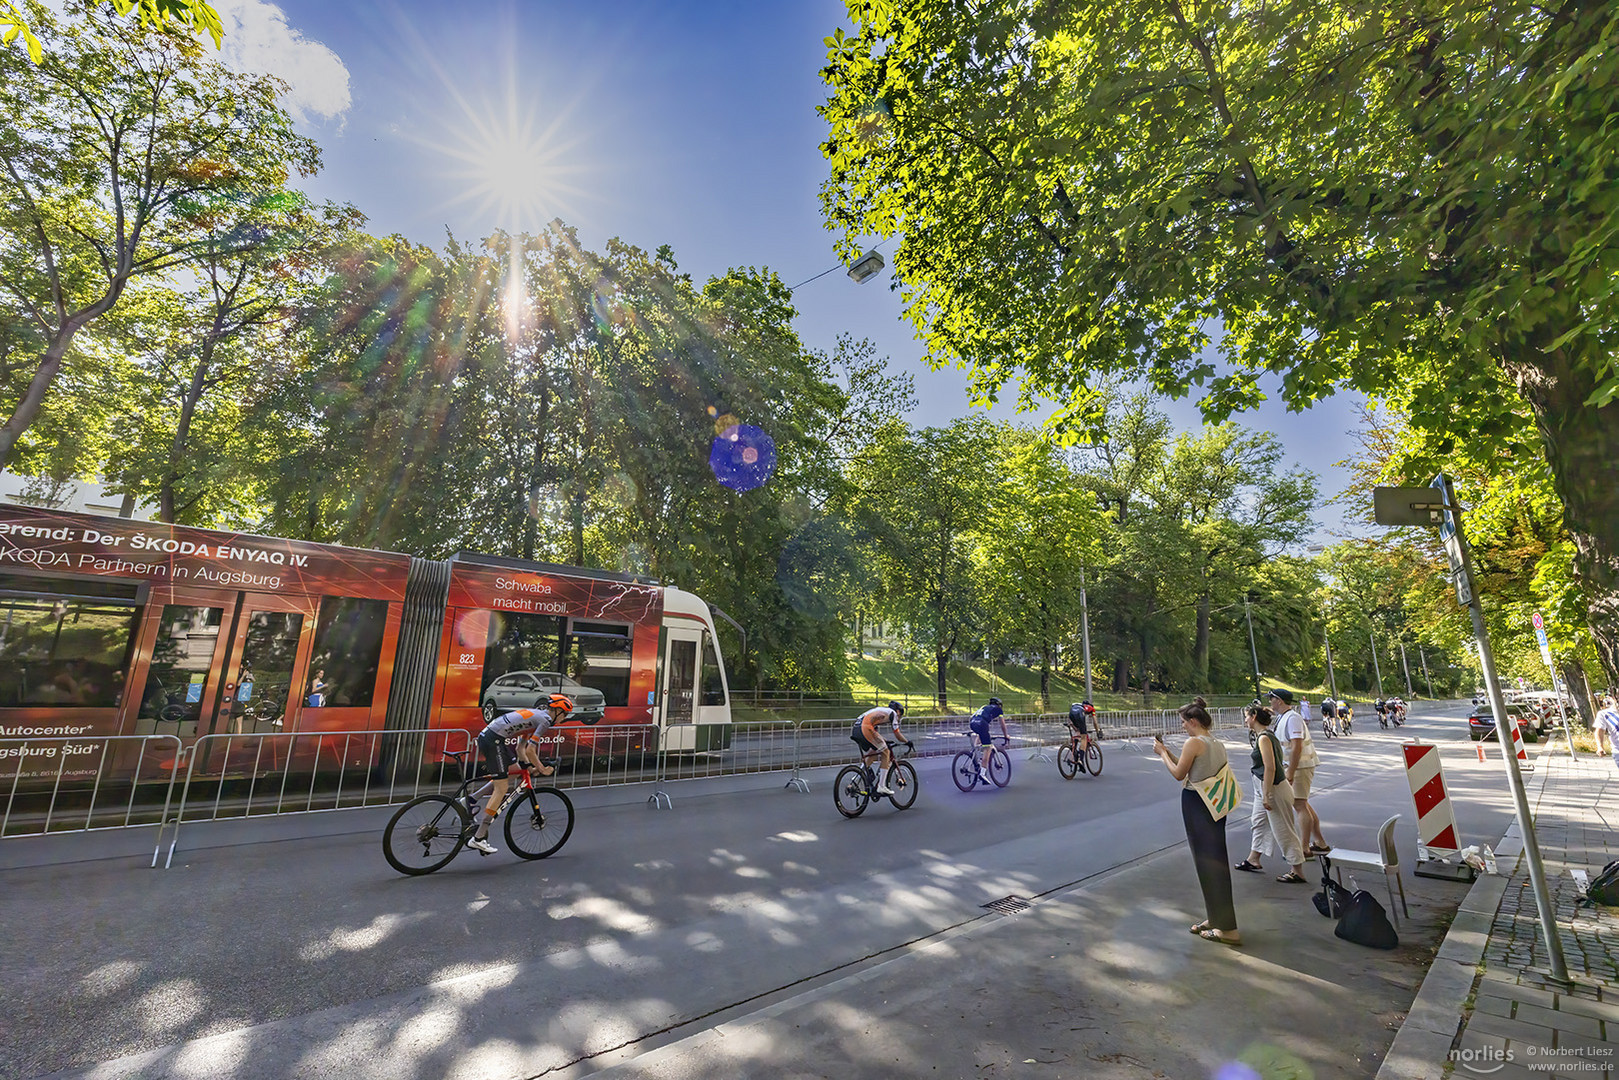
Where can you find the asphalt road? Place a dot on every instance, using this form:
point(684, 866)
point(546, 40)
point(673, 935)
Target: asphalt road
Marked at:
point(310, 957)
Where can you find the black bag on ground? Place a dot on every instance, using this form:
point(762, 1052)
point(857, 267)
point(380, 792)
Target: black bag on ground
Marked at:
point(1366, 923)
point(1604, 888)
point(1332, 899)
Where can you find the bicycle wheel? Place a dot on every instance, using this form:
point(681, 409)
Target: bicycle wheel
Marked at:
point(1067, 763)
point(963, 771)
point(424, 834)
point(1326, 729)
point(539, 823)
point(1000, 767)
point(849, 793)
point(1093, 760)
point(902, 778)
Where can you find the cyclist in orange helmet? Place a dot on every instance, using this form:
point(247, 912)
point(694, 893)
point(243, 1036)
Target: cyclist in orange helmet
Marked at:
point(528, 725)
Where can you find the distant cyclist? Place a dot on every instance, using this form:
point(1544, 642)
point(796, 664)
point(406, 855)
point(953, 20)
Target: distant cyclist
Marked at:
point(529, 724)
point(871, 740)
point(1080, 716)
point(980, 726)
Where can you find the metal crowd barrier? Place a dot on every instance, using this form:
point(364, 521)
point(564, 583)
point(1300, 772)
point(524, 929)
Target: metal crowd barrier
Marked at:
point(264, 774)
point(136, 760)
point(251, 774)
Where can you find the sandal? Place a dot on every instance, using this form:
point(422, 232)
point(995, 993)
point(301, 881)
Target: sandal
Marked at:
point(1317, 849)
point(1290, 878)
point(1217, 935)
point(1202, 926)
point(1250, 868)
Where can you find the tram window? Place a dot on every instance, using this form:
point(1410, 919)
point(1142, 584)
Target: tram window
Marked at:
point(187, 638)
point(520, 642)
point(713, 681)
point(348, 648)
point(63, 651)
point(598, 656)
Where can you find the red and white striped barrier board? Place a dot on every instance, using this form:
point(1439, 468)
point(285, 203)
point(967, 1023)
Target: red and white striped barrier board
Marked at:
point(1436, 824)
point(1518, 748)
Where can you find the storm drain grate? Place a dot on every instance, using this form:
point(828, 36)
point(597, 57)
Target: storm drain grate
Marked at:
point(1008, 905)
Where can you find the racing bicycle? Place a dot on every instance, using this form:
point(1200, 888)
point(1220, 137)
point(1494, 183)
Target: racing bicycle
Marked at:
point(857, 784)
point(430, 830)
point(968, 769)
point(1077, 757)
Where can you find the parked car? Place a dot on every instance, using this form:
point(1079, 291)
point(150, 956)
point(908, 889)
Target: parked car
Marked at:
point(1481, 724)
point(526, 689)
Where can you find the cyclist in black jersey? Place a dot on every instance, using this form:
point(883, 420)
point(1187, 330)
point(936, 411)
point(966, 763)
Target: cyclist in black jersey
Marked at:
point(529, 725)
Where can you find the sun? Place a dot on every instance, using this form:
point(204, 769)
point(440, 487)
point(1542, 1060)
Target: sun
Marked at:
point(514, 168)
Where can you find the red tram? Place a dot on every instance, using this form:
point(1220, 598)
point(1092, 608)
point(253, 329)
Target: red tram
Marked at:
point(111, 626)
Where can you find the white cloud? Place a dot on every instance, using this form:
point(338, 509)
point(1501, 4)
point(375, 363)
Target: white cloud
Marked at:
point(257, 38)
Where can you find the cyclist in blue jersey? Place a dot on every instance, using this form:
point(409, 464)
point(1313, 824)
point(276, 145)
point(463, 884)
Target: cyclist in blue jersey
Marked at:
point(979, 724)
point(528, 725)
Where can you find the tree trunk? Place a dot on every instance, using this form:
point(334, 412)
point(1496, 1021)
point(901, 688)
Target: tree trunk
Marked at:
point(941, 661)
point(1582, 443)
point(182, 433)
point(1580, 690)
point(50, 365)
point(1045, 677)
point(1200, 648)
point(1121, 675)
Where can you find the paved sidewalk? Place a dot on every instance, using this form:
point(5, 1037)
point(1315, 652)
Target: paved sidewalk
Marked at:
point(1514, 1021)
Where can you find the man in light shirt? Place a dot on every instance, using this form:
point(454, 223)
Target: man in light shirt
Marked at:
point(1301, 763)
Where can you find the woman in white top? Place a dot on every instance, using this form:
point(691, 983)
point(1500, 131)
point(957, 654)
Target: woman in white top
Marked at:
point(1200, 758)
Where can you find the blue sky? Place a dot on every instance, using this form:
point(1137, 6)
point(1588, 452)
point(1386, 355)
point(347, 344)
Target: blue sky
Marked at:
point(688, 123)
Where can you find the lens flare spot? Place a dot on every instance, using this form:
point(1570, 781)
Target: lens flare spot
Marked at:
point(712, 411)
point(742, 457)
point(724, 422)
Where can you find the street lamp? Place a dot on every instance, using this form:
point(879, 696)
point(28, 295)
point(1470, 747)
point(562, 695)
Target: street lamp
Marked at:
point(866, 267)
point(1252, 648)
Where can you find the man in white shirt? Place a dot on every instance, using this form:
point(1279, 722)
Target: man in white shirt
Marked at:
point(1301, 763)
point(1607, 728)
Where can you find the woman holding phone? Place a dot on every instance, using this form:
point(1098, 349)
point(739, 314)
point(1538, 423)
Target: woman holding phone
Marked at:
point(1200, 758)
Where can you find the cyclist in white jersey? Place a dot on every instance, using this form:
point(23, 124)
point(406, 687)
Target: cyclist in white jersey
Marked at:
point(529, 725)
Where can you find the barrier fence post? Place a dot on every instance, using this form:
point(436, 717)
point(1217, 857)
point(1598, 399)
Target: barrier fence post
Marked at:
point(796, 781)
point(660, 799)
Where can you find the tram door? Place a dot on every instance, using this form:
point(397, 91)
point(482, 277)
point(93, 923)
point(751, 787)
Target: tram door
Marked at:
point(180, 683)
point(679, 691)
point(264, 675)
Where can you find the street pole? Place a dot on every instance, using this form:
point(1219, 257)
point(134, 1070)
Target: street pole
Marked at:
point(1378, 668)
point(1085, 632)
point(1251, 646)
point(1422, 652)
point(1332, 680)
point(1406, 664)
point(1503, 733)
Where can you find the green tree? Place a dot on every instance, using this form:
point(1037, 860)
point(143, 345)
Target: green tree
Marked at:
point(1340, 194)
point(921, 498)
point(1222, 493)
point(129, 138)
point(1040, 529)
point(193, 16)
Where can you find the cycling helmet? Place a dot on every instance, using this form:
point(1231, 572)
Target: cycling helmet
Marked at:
point(995, 701)
point(561, 703)
point(896, 708)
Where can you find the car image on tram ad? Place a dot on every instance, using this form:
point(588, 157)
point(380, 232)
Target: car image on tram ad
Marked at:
point(624, 648)
point(241, 647)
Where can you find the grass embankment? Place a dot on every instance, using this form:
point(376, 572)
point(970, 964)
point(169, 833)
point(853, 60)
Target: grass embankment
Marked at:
point(968, 686)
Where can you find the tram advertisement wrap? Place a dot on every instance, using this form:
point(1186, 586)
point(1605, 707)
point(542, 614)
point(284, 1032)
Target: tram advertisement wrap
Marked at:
point(59, 544)
point(547, 594)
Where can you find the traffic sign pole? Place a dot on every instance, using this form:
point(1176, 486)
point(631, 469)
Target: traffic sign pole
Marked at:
point(1503, 730)
point(1546, 655)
